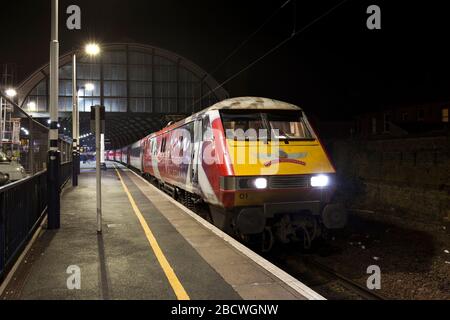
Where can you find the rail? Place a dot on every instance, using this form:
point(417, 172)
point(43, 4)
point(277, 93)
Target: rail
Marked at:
point(346, 282)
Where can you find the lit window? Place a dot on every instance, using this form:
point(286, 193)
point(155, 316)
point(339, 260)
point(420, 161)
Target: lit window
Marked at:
point(445, 115)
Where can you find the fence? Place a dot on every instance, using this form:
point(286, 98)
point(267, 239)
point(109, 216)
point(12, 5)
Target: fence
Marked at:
point(22, 207)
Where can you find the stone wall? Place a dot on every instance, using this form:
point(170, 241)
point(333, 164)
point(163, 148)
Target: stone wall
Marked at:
point(408, 176)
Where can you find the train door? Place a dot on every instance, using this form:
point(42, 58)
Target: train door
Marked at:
point(196, 151)
point(146, 148)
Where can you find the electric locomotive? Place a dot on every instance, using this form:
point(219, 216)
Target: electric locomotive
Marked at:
point(255, 163)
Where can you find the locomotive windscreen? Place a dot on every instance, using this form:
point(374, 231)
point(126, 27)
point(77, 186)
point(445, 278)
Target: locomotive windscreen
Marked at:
point(282, 124)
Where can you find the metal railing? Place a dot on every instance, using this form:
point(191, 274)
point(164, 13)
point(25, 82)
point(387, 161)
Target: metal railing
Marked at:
point(23, 205)
point(66, 173)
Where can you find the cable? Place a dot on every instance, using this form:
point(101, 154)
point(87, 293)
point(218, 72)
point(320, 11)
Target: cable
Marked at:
point(294, 14)
point(271, 51)
point(246, 40)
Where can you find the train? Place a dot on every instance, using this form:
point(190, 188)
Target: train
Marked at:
point(256, 166)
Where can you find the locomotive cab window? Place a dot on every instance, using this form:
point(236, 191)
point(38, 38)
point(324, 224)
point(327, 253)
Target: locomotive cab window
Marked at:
point(288, 126)
point(254, 125)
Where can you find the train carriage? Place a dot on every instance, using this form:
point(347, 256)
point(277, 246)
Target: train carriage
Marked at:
point(124, 155)
point(135, 158)
point(118, 155)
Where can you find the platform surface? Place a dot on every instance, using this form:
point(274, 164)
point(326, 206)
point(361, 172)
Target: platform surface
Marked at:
point(150, 248)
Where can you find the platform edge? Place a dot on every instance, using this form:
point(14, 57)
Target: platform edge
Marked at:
point(283, 276)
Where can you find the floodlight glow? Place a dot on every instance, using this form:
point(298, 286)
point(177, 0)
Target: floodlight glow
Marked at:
point(89, 86)
point(11, 93)
point(31, 106)
point(92, 49)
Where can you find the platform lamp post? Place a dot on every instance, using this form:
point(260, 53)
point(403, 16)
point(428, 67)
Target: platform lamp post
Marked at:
point(54, 156)
point(75, 123)
point(98, 125)
point(91, 49)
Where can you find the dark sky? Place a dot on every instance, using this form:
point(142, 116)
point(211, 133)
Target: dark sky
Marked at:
point(334, 69)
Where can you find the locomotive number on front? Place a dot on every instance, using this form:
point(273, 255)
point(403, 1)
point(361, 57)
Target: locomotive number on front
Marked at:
point(243, 196)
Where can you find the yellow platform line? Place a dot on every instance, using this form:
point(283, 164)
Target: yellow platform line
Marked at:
point(165, 265)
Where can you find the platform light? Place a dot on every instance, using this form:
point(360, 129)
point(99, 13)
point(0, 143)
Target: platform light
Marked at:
point(92, 49)
point(11, 93)
point(320, 180)
point(89, 87)
point(260, 183)
point(31, 106)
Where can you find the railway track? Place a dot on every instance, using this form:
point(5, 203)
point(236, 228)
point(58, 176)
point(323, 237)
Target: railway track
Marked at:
point(343, 281)
point(321, 278)
point(318, 276)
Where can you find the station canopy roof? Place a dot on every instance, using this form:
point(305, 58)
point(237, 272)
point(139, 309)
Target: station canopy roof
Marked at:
point(142, 88)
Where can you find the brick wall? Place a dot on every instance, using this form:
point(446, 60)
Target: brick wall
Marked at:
point(407, 177)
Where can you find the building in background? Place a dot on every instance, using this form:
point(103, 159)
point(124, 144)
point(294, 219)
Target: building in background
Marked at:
point(423, 119)
point(142, 88)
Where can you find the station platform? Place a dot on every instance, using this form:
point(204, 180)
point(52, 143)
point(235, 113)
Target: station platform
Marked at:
point(151, 247)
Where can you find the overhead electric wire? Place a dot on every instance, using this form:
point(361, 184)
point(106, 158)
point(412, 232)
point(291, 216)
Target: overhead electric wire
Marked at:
point(243, 43)
point(295, 33)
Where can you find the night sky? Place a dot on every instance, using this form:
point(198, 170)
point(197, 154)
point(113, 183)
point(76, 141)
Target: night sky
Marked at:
point(334, 69)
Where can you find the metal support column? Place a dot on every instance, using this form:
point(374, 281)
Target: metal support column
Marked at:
point(74, 122)
point(31, 147)
point(98, 168)
point(78, 138)
point(54, 156)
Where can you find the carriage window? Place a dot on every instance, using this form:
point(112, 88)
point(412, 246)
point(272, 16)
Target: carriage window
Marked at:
point(181, 146)
point(149, 146)
point(136, 152)
point(445, 115)
point(154, 146)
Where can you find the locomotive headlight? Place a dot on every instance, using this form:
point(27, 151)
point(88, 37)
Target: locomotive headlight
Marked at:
point(320, 180)
point(260, 183)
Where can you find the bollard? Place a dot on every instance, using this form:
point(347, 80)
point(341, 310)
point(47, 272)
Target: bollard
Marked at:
point(53, 189)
